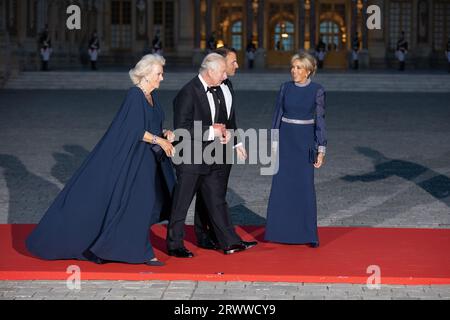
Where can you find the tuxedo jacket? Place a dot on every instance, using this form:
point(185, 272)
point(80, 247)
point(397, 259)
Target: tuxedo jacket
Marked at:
point(190, 105)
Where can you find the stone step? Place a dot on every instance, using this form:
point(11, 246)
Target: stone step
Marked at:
point(242, 81)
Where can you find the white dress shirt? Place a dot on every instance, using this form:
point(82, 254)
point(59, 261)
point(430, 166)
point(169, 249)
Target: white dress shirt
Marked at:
point(228, 102)
point(212, 107)
point(228, 98)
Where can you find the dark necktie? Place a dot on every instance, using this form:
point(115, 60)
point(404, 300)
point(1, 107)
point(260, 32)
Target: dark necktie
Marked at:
point(219, 102)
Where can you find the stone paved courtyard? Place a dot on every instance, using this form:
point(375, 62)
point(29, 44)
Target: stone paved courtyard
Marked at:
point(387, 165)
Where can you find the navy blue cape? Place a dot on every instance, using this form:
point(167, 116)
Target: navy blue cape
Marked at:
point(108, 205)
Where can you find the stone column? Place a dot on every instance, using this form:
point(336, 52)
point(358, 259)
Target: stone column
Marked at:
point(365, 42)
point(99, 6)
point(364, 52)
point(106, 29)
point(5, 47)
point(261, 24)
point(377, 55)
point(21, 20)
point(312, 25)
point(354, 18)
point(2, 16)
point(422, 50)
point(42, 15)
point(208, 18)
point(249, 18)
point(198, 52)
point(185, 26)
point(301, 24)
point(260, 56)
point(197, 17)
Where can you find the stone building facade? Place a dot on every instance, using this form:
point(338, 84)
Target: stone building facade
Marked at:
point(277, 29)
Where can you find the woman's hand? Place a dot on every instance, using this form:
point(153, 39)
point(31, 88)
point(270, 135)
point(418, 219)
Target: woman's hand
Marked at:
point(320, 160)
point(169, 135)
point(242, 154)
point(168, 148)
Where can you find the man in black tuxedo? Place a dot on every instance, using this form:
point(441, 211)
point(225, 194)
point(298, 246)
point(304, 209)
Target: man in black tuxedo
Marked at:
point(204, 231)
point(201, 101)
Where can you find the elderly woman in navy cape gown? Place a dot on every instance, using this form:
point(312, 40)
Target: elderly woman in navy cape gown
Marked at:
point(105, 211)
point(299, 116)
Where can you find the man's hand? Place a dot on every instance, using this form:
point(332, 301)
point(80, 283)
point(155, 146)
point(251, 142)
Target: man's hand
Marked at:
point(219, 130)
point(226, 138)
point(241, 153)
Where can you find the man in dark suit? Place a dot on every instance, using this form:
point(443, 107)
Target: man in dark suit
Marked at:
point(200, 101)
point(204, 231)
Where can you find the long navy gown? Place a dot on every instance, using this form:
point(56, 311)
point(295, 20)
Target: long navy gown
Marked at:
point(292, 211)
point(107, 207)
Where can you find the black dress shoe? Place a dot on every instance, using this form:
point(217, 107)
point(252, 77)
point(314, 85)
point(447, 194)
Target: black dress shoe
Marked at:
point(249, 244)
point(181, 253)
point(208, 245)
point(313, 244)
point(234, 248)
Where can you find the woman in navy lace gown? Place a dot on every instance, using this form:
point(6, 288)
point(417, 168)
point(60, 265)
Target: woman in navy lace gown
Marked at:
point(105, 211)
point(299, 116)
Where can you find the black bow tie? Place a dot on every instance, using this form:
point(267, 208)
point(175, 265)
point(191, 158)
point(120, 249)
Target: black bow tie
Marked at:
point(212, 89)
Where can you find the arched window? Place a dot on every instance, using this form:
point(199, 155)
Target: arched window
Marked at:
point(329, 31)
point(283, 37)
point(236, 35)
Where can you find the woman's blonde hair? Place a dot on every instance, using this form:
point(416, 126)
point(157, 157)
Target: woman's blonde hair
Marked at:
point(144, 67)
point(307, 61)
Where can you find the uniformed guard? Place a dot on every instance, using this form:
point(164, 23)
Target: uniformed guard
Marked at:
point(320, 53)
point(94, 49)
point(402, 50)
point(447, 53)
point(157, 44)
point(355, 52)
point(45, 44)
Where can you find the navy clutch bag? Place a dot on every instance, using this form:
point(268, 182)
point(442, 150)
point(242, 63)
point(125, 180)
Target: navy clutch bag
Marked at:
point(158, 151)
point(313, 153)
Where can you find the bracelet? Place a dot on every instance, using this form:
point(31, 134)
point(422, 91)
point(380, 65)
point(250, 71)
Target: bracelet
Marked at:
point(154, 139)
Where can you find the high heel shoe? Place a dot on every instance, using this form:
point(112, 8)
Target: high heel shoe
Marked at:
point(93, 258)
point(313, 244)
point(154, 263)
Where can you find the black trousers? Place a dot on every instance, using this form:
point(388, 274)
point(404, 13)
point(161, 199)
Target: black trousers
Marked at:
point(213, 187)
point(202, 224)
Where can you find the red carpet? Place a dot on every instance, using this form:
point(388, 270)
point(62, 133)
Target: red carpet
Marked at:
point(405, 256)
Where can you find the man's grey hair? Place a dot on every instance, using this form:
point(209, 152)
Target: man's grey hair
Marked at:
point(211, 62)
